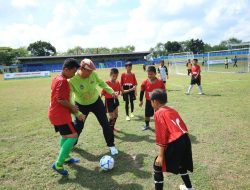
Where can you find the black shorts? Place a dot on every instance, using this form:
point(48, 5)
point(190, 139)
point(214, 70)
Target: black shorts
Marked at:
point(196, 80)
point(178, 154)
point(149, 110)
point(130, 95)
point(65, 129)
point(111, 104)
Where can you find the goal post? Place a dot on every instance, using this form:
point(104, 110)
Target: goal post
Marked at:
point(178, 61)
point(229, 61)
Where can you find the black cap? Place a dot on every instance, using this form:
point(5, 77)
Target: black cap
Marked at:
point(151, 68)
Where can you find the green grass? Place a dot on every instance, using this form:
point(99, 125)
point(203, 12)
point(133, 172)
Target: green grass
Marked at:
point(218, 122)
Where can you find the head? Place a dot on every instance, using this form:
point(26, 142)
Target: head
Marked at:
point(189, 60)
point(158, 98)
point(86, 68)
point(151, 72)
point(128, 66)
point(70, 67)
point(162, 62)
point(195, 61)
point(114, 74)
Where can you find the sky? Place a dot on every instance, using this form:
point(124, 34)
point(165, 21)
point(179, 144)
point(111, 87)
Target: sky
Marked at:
point(115, 23)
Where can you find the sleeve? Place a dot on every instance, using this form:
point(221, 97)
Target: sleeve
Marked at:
point(103, 85)
point(72, 96)
point(135, 79)
point(166, 70)
point(143, 85)
point(61, 90)
point(160, 132)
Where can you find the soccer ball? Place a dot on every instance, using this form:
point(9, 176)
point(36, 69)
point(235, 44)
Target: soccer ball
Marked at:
point(107, 163)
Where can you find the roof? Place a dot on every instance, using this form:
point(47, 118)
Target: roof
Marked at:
point(143, 53)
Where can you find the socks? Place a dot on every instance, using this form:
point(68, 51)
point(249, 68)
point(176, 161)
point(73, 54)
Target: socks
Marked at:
point(186, 180)
point(190, 88)
point(65, 150)
point(62, 141)
point(200, 89)
point(147, 123)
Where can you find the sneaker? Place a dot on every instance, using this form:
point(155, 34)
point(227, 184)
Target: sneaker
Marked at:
point(183, 187)
point(146, 127)
point(187, 93)
point(132, 115)
point(113, 150)
point(72, 161)
point(59, 170)
point(201, 93)
point(127, 118)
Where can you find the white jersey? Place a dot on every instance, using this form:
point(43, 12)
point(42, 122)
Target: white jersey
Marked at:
point(163, 70)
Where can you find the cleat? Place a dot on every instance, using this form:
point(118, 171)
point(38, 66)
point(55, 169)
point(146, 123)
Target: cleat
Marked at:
point(72, 161)
point(187, 93)
point(201, 93)
point(59, 170)
point(127, 118)
point(146, 127)
point(183, 187)
point(132, 115)
point(113, 150)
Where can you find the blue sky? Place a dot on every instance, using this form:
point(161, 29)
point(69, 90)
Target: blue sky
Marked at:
point(114, 23)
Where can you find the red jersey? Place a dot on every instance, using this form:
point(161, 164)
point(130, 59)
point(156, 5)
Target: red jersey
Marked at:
point(150, 87)
point(60, 90)
point(168, 126)
point(128, 79)
point(195, 70)
point(115, 86)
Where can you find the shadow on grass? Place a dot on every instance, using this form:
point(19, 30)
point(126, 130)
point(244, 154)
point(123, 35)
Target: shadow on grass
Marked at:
point(97, 179)
point(85, 154)
point(173, 90)
point(193, 139)
point(212, 94)
point(142, 119)
point(129, 137)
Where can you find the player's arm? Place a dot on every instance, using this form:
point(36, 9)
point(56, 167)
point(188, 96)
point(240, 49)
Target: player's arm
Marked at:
point(105, 86)
point(166, 71)
point(142, 93)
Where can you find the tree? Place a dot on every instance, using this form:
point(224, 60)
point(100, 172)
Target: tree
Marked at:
point(230, 41)
point(9, 56)
point(75, 51)
point(173, 47)
point(41, 48)
point(196, 46)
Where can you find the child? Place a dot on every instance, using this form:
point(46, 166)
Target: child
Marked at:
point(112, 103)
point(148, 85)
point(163, 70)
point(189, 67)
point(196, 77)
point(60, 110)
point(175, 154)
point(128, 88)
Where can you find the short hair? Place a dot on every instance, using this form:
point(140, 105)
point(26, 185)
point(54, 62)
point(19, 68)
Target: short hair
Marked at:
point(114, 71)
point(70, 63)
point(128, 64)
point(196, 60)
point(151, 68)
point(160, 95)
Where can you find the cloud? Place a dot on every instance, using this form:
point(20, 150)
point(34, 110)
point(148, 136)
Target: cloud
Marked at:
point(24, 3)
point(105, 3)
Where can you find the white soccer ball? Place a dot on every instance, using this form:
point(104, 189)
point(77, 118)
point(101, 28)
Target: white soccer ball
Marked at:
point(107, 163)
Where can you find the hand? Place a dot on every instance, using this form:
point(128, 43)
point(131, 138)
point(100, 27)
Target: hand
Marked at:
point(159, 161)
point(74, 108)
point(141, 103)
point(114, 95)
point(81, 117)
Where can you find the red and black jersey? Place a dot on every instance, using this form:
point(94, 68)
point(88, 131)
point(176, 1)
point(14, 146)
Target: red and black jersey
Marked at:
point(60, 90)
point(115, 86)
point(149, 87)
point(128, 79)
point(196, 70)
point(168, 126)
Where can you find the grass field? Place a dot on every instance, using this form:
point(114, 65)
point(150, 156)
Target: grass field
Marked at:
point(218, 122)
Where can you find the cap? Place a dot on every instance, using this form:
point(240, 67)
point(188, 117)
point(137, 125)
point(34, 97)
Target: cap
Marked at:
point(87, 64)
point(128, 64)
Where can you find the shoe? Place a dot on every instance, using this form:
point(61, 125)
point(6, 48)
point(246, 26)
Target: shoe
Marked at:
point(201, 93)
point(127, 118)
point(183, 187)
point(146, 127)
point(187, 93)
point(113, 150)
point(59, 170)
point(72, 161)
point(132, 115)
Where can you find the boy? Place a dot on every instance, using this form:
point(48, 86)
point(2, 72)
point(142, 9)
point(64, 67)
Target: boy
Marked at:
point(60, 110)
point(195, 77)
point(112, 103)
point(148, 85)
point(129, 82)
point(175, 154)
point(189, 67)
point(163, 70)
point(226, 63)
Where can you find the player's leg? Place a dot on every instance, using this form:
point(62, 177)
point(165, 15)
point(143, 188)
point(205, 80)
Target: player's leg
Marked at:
point(126, 99)
point(192, 83)
point(198, 82)
point(99, 111)
point(185, 178)
point(115, 118)
point(158, 177)
point(131, 99)
point(68, 140)
point(79, 125)
point(149, 112)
